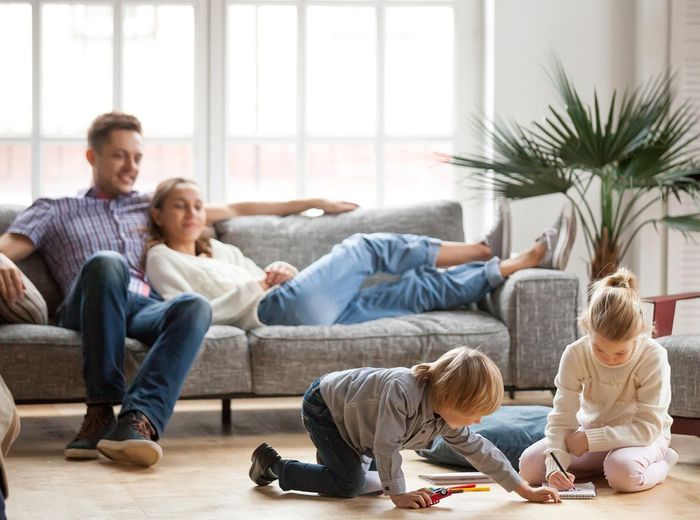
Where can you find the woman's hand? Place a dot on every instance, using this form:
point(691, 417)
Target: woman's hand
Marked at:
point(413, 499)
point(560, 481)
point(277, 273)
point(540, 494)
point(577, 443)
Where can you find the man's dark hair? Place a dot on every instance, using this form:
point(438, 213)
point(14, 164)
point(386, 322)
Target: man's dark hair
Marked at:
point(103, 125)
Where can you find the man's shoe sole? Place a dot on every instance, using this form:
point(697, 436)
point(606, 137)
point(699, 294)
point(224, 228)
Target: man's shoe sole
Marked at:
point(135, 451)
point(80, 454)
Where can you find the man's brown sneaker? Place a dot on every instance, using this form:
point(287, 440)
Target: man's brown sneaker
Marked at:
point(98, 420)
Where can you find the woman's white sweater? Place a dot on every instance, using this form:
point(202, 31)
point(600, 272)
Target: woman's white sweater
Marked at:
point(616, 406)
point(229, 280)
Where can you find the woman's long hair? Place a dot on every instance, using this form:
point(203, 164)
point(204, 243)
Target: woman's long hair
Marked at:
point(154, 233)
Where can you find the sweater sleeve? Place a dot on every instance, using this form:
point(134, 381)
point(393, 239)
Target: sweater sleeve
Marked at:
point(169, 277)
point(484, 456)
point(653, 400)
point(391, 428)
point(164, 274)
point(562, 419)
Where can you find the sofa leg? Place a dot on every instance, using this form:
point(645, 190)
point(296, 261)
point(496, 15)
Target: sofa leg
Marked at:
point(226, 412)
point(511, 393)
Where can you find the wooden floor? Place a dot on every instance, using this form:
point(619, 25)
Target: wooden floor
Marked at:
point(204, 474)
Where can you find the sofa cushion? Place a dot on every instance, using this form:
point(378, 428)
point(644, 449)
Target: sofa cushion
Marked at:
point(302, 240)
point(684, 358)
point(50, 358)
point(286, 360)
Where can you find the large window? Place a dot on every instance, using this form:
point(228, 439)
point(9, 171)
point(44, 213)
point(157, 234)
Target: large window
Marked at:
point(347, 99)
point(72, 61)
point(340, 99)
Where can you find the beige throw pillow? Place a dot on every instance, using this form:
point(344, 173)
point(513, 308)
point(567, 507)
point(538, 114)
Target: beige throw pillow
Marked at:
point(9, 429)
point(30, 309)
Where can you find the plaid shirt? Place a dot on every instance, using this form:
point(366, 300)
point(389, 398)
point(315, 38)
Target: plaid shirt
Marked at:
point(69, 230)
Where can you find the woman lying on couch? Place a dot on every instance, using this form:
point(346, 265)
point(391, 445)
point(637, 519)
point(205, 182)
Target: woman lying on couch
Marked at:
point(433, 274)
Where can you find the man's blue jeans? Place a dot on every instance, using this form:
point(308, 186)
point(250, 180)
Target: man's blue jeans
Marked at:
point(330, 290)
point(341, 470)
point(101, 307)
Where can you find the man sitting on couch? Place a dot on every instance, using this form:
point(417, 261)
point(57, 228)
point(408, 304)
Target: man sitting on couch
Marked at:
point(93, 245)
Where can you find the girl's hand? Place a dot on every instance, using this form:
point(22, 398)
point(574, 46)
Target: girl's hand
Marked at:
point(577, 443)
point(413, 499)
point(540, 494)
point(279, 272)
point(560, 481)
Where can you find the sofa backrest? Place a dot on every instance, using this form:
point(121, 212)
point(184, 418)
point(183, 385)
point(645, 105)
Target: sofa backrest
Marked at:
point(34, 266)
point(301, 240)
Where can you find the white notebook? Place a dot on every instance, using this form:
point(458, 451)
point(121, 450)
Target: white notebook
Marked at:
point(456, 477)
point(584, 490)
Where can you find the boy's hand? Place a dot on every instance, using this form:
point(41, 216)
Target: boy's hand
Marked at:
point(541, 494)
point(560, 481)
point(413, 499)
point(577, 443)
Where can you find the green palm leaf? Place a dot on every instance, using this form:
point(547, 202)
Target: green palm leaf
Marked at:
point(642, 142)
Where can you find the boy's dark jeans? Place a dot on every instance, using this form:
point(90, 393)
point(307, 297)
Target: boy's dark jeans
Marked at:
point(340, 472)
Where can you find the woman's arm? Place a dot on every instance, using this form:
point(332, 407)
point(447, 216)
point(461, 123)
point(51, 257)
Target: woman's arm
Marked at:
point(291, 207)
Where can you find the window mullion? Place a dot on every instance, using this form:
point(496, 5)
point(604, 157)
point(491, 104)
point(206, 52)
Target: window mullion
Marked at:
point(117, 55)
point(36, 101)
point(202, 172)
point(380, 163)
point(302, 144)
point(217, 172)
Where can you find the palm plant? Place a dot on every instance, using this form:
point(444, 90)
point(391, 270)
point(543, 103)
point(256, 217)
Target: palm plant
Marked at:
point(643, 151)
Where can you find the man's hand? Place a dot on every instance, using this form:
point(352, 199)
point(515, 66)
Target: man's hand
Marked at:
point(560, 481)
point(577, 443)
point(540, 494)
point(279, 272)
point(11, 284)
point(335, 206)
point(413, 499)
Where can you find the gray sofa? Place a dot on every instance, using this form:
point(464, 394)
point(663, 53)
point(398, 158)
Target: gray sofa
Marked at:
point(523, 326)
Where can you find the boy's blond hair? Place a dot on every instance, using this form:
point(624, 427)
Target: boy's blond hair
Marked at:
point(615, 308)
point(463, 379)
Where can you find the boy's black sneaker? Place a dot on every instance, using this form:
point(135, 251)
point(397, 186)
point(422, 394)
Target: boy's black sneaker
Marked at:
point(131, 441)
point(263, 458)
point(98, 421)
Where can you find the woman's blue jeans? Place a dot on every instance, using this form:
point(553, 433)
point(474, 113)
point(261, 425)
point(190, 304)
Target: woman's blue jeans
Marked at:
point(330, 290)
point(340, 471)
point(103, 310)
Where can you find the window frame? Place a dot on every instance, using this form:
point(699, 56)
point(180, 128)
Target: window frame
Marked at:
point(36, 139)
point(302, 139)
point(210, 138)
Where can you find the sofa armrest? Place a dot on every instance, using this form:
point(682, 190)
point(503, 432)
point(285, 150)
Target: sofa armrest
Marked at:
point(540, 308)
point(665, 311)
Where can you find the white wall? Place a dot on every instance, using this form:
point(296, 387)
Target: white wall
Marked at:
point(603, 44)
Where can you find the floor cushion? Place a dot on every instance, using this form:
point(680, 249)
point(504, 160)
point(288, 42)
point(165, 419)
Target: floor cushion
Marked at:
point(511, 428)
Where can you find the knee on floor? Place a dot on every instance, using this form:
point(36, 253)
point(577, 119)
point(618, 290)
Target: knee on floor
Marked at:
point(622, 474)
point(350, 488)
